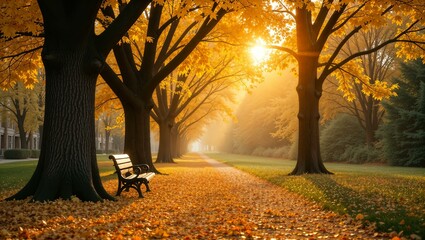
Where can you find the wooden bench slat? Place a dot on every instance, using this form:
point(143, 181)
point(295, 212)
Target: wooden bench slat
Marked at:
point(125, 165)
point(120, 161)
point(120, 156)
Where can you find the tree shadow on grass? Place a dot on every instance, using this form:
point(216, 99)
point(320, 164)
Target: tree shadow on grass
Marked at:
point(387, 215)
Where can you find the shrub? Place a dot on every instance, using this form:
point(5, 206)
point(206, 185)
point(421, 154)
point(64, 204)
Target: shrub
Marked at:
point(259, 151)
point(282, 152)
point(360, 154)
point(278, 152)
point(100, 151)
point(268, 152)
point(17, 153)
point(35, 153)
point(343, 132)
point(293, 151)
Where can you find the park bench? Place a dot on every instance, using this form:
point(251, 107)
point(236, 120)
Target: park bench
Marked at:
point(131, 176)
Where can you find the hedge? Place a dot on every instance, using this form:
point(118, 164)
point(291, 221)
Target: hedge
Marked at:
point(35, 153)
point(17, 153)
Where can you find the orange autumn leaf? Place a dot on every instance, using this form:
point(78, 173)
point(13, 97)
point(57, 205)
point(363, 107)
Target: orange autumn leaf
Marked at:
point(359, 216)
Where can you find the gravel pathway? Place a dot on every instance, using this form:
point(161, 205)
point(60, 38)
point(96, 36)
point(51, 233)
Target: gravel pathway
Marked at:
point(219, 201)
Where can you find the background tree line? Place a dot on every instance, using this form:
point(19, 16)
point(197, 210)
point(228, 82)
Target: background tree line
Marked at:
point(398, 133)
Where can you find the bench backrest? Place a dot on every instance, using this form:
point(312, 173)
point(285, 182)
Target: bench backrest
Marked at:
point(122, 163)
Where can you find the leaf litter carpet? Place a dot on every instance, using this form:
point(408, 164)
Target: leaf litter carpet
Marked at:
point(199, 198)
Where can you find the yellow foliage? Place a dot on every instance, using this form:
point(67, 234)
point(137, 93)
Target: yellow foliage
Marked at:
point(380, 90)
point(353, 73)
point(148, 39)
point(19, 18)
point(28, 102)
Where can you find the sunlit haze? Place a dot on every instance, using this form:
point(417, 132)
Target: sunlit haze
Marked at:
point(259, 52)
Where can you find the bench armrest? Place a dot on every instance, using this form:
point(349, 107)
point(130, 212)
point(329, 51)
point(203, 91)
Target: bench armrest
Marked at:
point(138, 168)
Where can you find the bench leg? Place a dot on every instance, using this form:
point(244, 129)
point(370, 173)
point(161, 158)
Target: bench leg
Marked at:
point(119, 190)
point(124, 187)
point(146, 182)
point(138, 185)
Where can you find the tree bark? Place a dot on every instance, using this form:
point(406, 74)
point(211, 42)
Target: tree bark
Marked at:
point(309, 92)
point(183, 145)
point(137, 142)
point(67, 164)
point(40, 132)
point(22, 132)
point(165, 142)
point(107, 140)
point(372, 117)
point(175, 143)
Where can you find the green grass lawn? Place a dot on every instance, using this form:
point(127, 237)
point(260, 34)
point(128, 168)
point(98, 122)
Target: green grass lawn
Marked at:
point(393, 198)
point(15, 175)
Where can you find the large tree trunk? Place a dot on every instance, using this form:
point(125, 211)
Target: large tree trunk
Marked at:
point(22, 133)
point(309, 92)
point(30, 141)
point(107, 140)
point(40, 132)
point(137, 142)
point(164, 151)
point(183, 145)
point(373, 116)
point(370, 133)
point(175, 143)
point(67, 164)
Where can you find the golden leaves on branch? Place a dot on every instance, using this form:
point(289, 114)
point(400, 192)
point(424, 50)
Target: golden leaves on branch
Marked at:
point(352, 75)
point(19, 18)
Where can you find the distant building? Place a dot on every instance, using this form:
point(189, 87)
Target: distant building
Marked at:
point(101, 147)
point(10, 138)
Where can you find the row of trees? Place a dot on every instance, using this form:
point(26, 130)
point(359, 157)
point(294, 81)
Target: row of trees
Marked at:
point(73, 55)
point(150, 42)
point(398, 135)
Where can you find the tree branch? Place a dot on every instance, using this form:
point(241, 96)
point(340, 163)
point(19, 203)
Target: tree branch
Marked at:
point(284, 49)
point(123, 93)
point(206, 27)
point(355, 55)
point(110, 37)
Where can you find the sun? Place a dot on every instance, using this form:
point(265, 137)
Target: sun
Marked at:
point(259, 53)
